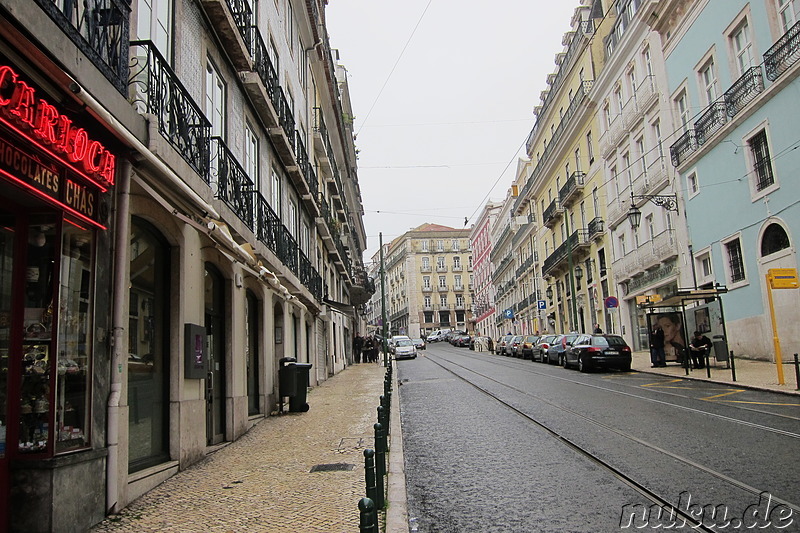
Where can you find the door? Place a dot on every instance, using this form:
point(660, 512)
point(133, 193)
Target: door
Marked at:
point(215, 330)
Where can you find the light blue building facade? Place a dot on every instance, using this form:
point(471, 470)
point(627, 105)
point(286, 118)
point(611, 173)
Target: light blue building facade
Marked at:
point(732, 69)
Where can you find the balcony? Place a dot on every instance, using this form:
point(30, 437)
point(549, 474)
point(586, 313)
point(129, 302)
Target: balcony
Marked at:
point(442, 288)
point(572, 188)
point(560, 257)
point(595, 229)
point(710, 122)
point(427, 289)
point(458, 288)
point(156, 89)
point(231, 183)
point(233, 22)
point(744, 90)
point(458, 268)
point(783, 54)
point(100, 30)
point(552, 213)
point(269, 101)
point(441, 268)
point(425, 269)
point(625, 267)
point(682, 148)
point(363, 287)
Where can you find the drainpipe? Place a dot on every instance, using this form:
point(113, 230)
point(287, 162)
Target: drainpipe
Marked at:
point(118, 325)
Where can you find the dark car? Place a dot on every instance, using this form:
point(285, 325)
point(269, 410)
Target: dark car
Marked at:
point(419, 344)
point(555, 354)
point(513, 347)
point(593, 351)
point(526, 346)
point(539, 350)
point(462, 340)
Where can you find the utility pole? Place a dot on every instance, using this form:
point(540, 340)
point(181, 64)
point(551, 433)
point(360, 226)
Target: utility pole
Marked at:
point(383, 306)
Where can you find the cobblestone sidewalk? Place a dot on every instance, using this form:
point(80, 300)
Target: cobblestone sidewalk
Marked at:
point(263, 482)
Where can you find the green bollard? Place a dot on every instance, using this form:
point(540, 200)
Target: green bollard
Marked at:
point(368, 522)
point(380, 463)
point(369, 474)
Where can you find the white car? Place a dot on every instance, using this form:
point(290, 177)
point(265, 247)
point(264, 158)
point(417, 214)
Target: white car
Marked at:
point(394, 339)
point(405, 349)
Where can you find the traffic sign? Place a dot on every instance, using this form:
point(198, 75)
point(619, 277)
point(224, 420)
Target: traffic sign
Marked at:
point(611, 302)
point(783, 278)
point(541, 304)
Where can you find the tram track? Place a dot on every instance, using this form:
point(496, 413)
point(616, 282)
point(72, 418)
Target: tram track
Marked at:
point(664, 502)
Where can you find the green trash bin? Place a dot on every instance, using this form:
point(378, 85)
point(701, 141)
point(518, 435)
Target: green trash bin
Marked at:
point(297, 403)
point(287, 377)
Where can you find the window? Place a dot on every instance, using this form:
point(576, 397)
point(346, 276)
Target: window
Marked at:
point(733, 250)
point(650, 227)
point(648, 62)
point(440, 246)
point(426, 263)
point(589, 147)
point(443, 300)
point(154, 23)
point(442, 282)
point(251, 353)
point(774, 240)
point(457, 281)
point(251, 153)
point(459, 301)
point(292, 217)
point(440, 263)
point(691, 183)
point(427, 301)
point(424, 246)
point(456, 263)
point(469, 262)
point(455, 245)
point(788, 11)
point(708, 80)
point(426, 282)
point(215, 100)
point(682, 107)
point(275, 193)
point(656, 130)
point(760, 159)
point(289, 25)
point(742, 47)
point(274, 58)
point(607, 114)
point(703, 266)
point(622, 248)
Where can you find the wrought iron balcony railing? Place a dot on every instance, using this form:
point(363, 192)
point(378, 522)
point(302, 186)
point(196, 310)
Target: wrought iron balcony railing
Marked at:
point(710, 121)
point(100, 30)
point(231, 183)
point(595, 227)
point(156, 89)
point(744, 90)
point(573, 184)
point(680, 149)
point(306, 168)
point(783, 54)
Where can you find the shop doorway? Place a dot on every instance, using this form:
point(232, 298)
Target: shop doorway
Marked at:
point(8, 230)
point(215, 331)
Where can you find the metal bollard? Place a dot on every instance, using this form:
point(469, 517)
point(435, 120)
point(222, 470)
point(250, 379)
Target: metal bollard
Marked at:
point(368, 522)
point(797, 371)
point(733, 367)
point(382, 414)
point(369, 474)
point(707, 362)
point(380, 463)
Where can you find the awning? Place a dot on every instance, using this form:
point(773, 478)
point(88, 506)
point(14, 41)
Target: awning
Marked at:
point(345, 309)
point(680, 298)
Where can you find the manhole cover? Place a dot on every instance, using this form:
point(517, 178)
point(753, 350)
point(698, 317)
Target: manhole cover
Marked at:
point(332, 467)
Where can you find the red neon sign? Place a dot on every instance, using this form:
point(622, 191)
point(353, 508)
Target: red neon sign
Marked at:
point(18, 102)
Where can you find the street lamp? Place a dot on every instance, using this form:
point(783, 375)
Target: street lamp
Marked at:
point(549, 293)
point(667, 201)
point(578, 273)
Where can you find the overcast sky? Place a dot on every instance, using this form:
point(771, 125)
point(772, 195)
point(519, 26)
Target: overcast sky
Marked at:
point(443, 93)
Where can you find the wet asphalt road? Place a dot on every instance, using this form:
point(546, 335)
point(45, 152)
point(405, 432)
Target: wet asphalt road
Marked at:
point(549, 449)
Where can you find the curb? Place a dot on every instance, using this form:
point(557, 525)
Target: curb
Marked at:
point(397, 512)
point(721, 382)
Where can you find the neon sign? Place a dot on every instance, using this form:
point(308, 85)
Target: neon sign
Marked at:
point(20, 107)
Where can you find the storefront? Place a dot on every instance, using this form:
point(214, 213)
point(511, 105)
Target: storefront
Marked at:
point(659, 283)
point(55, 182)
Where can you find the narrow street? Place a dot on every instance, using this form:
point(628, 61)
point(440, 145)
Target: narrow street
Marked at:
point(500, 444)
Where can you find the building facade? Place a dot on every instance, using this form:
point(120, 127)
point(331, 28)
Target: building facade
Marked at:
point(181, 211)
point(480, 242)
point(429, 280)
point(733, 73)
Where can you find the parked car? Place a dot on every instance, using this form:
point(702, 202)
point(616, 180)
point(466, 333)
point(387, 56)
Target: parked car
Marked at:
point(592, 351)
point(419, 344)
point(438, 335)
point(500, 346)
point(405, 349)
point(393, 341)
point(555, 354)
point(513, 346)
point(539, 350)
point(461, 340)
point(526, 346)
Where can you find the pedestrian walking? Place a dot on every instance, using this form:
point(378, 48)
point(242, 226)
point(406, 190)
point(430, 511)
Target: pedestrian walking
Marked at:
point(598, 330)
point(358, 343)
